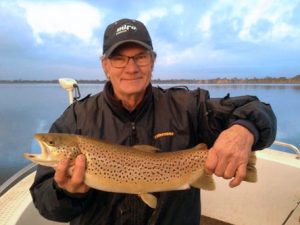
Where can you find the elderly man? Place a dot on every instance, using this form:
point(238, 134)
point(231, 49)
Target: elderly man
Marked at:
point(130, 111)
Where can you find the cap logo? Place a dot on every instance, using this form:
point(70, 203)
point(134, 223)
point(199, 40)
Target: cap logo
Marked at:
point(124, 28)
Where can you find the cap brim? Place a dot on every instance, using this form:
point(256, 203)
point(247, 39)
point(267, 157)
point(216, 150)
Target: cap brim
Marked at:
point(112, 48)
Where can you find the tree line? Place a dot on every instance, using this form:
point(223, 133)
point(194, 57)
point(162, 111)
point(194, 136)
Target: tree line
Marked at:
point(218, 80)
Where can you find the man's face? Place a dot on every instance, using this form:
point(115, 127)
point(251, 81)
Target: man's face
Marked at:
point(129, 76)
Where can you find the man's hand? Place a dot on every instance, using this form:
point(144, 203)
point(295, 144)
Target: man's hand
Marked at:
point(228, 157)
point(73, 183)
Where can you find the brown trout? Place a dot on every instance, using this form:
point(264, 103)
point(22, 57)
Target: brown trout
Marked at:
point(140, 169)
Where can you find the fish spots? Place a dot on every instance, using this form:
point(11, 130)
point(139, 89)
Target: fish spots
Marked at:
point(124, 166)
point(72, 153)
point(117, 168)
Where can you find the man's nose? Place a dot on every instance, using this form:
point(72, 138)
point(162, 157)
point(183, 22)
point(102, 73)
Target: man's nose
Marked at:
point(131, 65)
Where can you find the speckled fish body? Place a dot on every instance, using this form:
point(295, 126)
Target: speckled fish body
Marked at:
point(138, 170)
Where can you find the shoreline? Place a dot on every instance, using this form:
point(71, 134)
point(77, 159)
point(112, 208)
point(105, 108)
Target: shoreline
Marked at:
point(266, 80)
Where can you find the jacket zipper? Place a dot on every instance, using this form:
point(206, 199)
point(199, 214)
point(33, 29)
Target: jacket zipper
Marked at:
point(133, 134)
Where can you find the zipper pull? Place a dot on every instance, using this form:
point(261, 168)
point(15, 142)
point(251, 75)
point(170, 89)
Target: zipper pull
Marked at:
point(133, 133)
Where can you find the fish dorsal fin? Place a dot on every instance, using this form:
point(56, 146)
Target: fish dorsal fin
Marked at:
point(149, 199)
point(205, 182)
point(201, 146)
point(146, 148)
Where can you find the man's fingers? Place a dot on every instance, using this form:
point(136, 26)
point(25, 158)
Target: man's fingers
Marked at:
point(239, 177)
point(221, 167)
point(73, 183)
point(211, 162)
point(61, 173)
point(230, 170)
point(235, 182)
point(79, 170)
point(218, 164)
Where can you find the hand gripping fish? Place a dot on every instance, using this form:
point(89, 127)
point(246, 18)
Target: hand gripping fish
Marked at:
point(140, 169)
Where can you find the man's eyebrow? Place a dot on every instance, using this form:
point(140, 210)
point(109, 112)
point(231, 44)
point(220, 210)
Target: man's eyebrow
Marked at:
point(119, 54)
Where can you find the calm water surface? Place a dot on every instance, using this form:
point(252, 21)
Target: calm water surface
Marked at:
point(30, 108)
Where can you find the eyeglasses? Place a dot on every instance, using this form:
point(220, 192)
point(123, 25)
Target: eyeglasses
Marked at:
point(121, 61)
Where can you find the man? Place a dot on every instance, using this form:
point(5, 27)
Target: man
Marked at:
point(130, 111)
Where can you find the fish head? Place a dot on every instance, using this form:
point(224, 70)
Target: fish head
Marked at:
point(54, 148)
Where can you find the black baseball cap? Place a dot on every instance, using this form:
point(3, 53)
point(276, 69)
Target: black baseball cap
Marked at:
point(124, 31)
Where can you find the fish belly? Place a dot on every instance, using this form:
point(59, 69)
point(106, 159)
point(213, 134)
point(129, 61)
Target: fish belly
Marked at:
point(121, 184)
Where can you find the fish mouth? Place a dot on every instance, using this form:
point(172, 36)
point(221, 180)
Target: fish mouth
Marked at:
point(44, 158)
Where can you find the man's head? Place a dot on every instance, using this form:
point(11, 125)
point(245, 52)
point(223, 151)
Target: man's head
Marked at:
point(128, 58)
point(125, 31)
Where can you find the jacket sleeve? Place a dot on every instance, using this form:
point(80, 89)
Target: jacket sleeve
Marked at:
point(220, 113)
point(52, 202)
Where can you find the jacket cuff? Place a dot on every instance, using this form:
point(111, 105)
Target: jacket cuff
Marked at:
point(63, 193)
point(250, 126)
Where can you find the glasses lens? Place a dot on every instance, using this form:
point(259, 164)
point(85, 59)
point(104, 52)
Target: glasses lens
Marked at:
point(120, 61)
point(142, 59)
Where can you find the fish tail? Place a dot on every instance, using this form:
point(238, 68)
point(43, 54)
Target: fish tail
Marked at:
point(251, 169)
point(205, 182)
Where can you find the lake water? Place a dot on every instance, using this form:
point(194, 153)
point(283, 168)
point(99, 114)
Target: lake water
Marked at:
point(30, 108)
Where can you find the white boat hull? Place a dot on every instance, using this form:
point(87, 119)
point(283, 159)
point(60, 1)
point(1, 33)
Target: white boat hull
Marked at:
point(17, 207)
point(267, 202)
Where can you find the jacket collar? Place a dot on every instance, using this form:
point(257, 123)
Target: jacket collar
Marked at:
point(118, 109)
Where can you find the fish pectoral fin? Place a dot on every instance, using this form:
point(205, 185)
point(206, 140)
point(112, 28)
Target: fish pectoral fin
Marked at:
point(146, 148)
point(149, 199)
point(205, 182)
point(251, 175)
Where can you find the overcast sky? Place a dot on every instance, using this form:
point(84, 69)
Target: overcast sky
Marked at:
point(196, 39)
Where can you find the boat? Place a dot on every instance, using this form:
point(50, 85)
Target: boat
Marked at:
point(273, 200)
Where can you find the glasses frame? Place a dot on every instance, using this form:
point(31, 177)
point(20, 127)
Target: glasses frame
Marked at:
point(151, 54)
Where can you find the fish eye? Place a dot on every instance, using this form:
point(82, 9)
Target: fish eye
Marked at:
point(51, 143)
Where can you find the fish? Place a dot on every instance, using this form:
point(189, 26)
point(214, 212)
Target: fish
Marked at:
point(139, 169)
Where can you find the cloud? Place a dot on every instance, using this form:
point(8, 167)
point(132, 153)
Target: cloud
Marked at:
point(75, 18)
point(268, 21)
point(204, 25)
point(252, 21)
point(60, 53)
point(147, 15)
point(46, 38)
point(177, 9)
point(234, 38)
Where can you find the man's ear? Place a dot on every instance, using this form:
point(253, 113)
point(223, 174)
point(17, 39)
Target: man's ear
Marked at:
point(104, 64)
point(105, 67)
point(153, 61)
point(152, 66)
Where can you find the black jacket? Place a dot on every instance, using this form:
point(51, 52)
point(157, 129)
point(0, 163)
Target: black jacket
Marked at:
point(171, 120)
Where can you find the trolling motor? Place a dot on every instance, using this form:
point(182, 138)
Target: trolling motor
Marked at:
point(70, 85)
